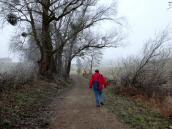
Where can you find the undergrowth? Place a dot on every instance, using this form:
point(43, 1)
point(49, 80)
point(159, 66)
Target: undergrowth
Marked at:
point(135, 114)
point(25, 106)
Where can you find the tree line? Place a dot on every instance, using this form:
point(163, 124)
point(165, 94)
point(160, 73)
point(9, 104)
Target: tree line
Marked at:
point(52, 33)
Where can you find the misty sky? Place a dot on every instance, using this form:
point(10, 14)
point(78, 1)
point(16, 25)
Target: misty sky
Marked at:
point(143, 19)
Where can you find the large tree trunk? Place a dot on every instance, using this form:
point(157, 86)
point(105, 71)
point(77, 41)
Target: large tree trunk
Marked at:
point(47, 65)
point(59, 63)
point(67, 69)
point(47, 62)
point(69, 59)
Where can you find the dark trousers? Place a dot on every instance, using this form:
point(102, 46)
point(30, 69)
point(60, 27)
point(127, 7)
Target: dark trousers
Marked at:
point(98, 94)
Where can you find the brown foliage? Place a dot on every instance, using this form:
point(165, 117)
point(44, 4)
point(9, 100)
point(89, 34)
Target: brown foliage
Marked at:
point(161, 104)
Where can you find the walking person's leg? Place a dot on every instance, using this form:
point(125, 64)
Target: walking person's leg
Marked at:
point(101, 98)
point(97, 96)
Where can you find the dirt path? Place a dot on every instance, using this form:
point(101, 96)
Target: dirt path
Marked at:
point(76, 110)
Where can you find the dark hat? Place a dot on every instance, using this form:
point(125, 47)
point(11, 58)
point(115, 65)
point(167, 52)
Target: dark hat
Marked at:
point(97, 71)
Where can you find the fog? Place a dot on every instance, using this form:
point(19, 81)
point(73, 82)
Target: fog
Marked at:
point(144, 18)
point(141, 19)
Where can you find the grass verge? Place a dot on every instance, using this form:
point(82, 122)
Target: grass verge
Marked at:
point(136, 115)
point(27, 106)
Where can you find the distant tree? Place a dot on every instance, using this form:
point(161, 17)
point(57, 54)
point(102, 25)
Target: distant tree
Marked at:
point(95, 59)
point(92, 60)
point(79, 66)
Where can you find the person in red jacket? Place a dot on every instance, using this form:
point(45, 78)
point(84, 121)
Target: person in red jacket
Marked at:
point(97, 82)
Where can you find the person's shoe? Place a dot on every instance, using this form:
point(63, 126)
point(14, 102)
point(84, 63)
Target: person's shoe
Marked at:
point(102, 103)
point(97, 105)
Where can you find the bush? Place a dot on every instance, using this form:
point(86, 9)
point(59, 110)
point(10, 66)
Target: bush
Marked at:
point(18, 74)
point(149, 71)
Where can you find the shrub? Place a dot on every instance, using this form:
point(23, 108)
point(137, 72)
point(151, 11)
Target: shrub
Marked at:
point(149, 71)
point(19, 74)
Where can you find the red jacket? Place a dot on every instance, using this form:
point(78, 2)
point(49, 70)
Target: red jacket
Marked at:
point(99, 78)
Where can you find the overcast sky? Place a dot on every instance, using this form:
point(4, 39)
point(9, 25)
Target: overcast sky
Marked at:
point(143, 19)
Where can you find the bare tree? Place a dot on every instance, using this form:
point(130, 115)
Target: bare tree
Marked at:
point(95, 59)
point(60, 23)
point(152, 50)
point(27, 50)
point(79, 66)
point(149, 70)
point(44, 12)
point(68, 32)
point(86, 42)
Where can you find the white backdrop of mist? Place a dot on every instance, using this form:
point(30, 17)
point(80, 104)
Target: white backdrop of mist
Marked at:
point(142, 19)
